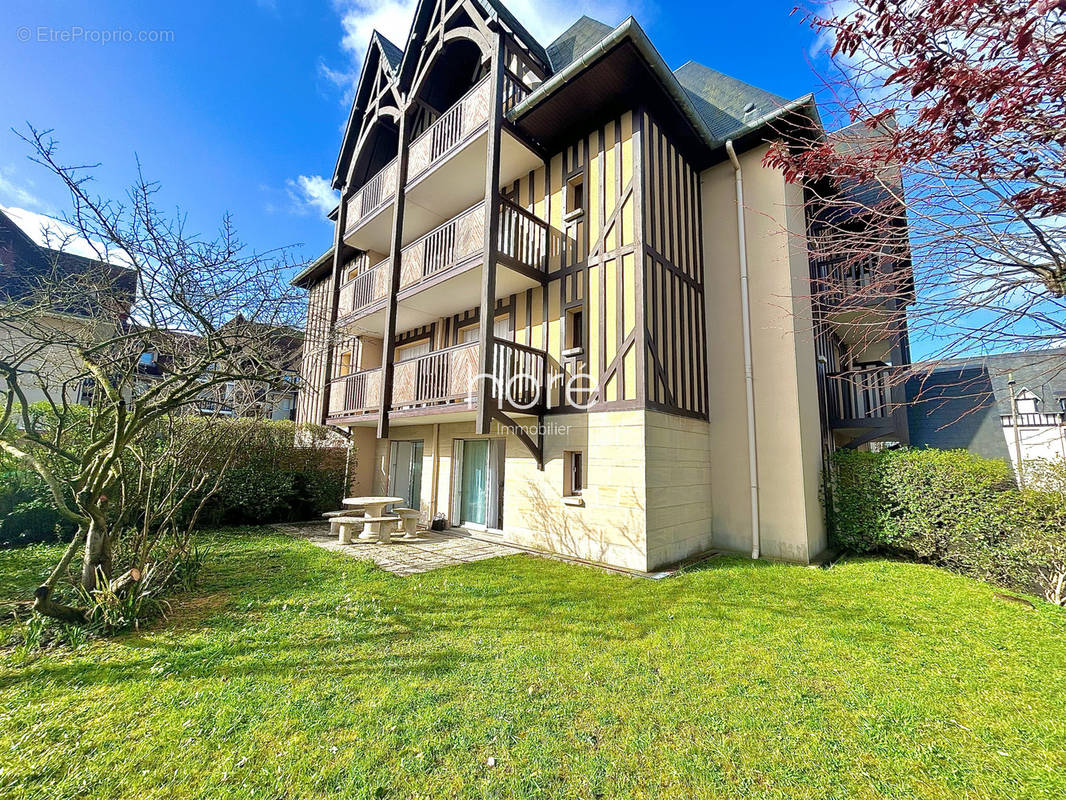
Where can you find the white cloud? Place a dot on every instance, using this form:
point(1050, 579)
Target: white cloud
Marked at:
point(312, 193)
point(545, 19)
point(14, 193)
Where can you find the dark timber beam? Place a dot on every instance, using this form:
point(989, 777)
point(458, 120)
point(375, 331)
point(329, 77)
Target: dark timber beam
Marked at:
point(388, 347)
point(334, 301)
point(486, 340)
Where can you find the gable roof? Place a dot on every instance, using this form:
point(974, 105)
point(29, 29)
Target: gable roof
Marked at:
point(384, 49)
point(26, 267)
point(711, 124)
point(575, 41)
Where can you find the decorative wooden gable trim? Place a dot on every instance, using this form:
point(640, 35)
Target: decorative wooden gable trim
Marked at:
point(377, 97)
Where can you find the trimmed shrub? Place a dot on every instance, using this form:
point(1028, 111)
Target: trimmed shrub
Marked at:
point(954, 509)
point(272, 480)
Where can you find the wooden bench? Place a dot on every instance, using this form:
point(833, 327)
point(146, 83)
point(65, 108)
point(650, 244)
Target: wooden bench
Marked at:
point(408, 521)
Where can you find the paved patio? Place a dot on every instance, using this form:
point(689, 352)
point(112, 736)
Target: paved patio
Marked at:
point(430, 550)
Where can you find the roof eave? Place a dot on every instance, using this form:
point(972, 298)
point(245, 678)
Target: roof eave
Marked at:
point(302, 277)
point(630, 30)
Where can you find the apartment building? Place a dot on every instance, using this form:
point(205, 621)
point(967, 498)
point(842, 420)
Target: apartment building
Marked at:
point(542, 316)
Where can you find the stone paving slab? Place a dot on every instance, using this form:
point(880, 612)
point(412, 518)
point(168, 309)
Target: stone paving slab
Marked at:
point(428, 551)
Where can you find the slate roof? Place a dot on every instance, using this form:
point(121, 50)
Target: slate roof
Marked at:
point(393, 54)
point(961, 401)
point(725, 103)
point(25, 266)
point(575, 41)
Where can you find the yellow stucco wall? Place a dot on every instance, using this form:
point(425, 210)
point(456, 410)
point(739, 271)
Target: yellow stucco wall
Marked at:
point(786, 399)
point(610, 528)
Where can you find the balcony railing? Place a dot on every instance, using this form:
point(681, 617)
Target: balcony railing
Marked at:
point(514, 90)
point(524, 237)
point(364, 289)
point(858, 394)
point(358, 393)
point(1033, 419)
point(456, 241)
point(443, 376)
point(523, 242)
point(446, 377)
point(375, 193)
point(452, 128)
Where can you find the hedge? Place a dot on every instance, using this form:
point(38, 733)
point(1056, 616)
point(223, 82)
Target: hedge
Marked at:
point(274, 480)
point(954, 509)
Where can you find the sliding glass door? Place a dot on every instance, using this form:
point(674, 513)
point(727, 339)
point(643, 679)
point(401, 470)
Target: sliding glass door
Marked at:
point(477, 499)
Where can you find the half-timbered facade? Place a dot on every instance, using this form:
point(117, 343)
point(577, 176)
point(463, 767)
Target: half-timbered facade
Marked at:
point(529, 321)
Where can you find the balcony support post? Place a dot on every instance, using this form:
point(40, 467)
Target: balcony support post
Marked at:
point(334, 302)
point(486, 408)
point(388, 346)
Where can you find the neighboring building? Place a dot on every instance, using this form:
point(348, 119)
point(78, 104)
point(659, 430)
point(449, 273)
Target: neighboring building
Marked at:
point(597, 188)
point(87, 300)
point(84, 299)
point(966, 403)
point(233, 399)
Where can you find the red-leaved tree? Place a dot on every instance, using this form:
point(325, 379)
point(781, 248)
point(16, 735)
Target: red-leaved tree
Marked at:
point(967, 100)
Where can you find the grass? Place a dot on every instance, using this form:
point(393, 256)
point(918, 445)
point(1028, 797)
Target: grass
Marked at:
point(299, 673)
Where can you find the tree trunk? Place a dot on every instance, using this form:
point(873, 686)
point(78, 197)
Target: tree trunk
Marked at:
point(96, 564)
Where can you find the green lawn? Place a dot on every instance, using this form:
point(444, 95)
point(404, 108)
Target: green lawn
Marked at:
point(300, 673)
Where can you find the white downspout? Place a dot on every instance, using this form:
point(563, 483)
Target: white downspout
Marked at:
point(749, 383)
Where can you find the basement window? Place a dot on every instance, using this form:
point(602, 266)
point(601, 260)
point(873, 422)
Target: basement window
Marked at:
point(575, 196)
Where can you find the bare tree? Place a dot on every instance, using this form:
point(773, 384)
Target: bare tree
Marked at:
point(967, 102)
point(211, 318)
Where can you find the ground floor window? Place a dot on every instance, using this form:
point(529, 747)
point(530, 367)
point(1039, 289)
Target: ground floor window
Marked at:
point(477, 483)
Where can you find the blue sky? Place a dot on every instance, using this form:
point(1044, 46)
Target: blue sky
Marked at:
point(244, 107)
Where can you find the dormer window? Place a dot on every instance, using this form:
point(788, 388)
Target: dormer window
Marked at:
point(1027, 402)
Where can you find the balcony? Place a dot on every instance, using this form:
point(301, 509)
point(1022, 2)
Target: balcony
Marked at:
point(442, 384)
point(368, 222)
point(440, 272)
point(364, 290)
point(865, 404)
point(446, 169)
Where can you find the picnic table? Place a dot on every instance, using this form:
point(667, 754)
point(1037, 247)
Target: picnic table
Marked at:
point(377, 524)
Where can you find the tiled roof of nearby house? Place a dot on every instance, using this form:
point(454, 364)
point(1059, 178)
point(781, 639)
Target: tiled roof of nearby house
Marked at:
point(725, 104)
point(575, 41)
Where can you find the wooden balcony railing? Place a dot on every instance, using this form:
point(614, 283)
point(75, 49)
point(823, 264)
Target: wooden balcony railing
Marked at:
point(446, 377)
point(521, 375)
point(358, 393)
point(863, 393)
point(375, 193)
point(524, 237)
point(453, 127)
point(457, 240)
point(443, 376)
point(523, 241)
point(364, 289)
point(514, 90)
point(1033, 419)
